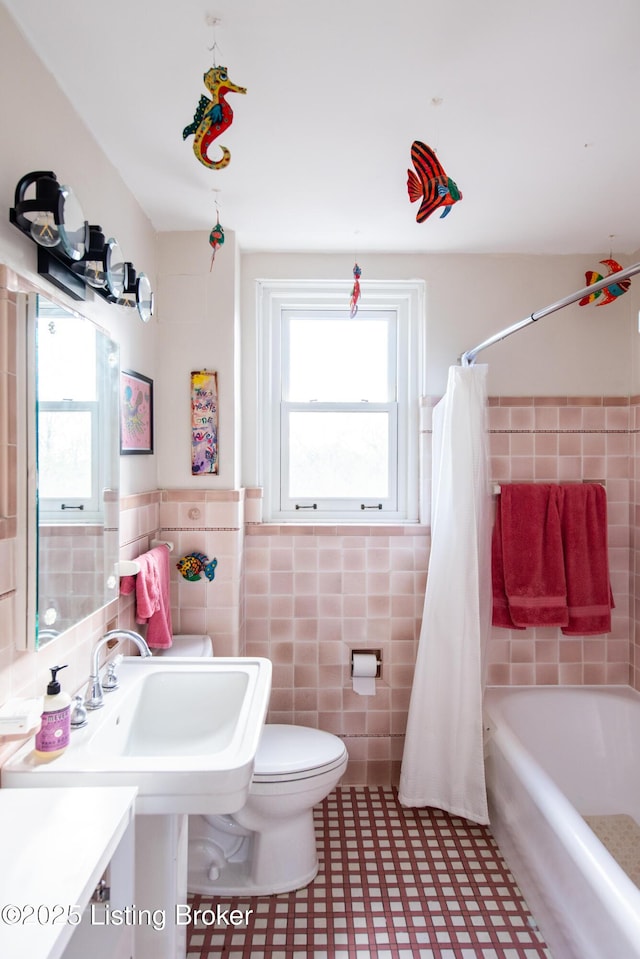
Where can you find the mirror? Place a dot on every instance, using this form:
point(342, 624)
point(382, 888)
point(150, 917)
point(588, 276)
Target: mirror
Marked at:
point(73, 467)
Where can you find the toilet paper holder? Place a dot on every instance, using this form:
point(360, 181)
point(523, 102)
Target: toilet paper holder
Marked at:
point(369, 652)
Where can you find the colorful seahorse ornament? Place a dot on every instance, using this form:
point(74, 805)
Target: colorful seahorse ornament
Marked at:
point(212, 117)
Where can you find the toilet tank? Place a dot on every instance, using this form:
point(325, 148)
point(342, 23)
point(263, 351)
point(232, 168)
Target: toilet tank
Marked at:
point(187, 644)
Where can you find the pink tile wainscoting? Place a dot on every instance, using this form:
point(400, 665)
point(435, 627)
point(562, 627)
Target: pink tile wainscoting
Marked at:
point(315, 593)
point(204, 521)
point(559, 440)
point(305, 596)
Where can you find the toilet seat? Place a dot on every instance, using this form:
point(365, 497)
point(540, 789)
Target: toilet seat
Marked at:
point(289, 753)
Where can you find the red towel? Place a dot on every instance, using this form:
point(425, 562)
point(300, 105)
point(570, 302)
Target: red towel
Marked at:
point(501, 614)
point(153, 603)
point(584, 535)
point(534, 576)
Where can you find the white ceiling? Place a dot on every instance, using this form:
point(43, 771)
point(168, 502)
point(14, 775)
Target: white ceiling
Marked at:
point(532, 106)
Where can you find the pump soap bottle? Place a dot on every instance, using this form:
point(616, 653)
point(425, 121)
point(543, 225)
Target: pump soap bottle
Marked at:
point(53, 736)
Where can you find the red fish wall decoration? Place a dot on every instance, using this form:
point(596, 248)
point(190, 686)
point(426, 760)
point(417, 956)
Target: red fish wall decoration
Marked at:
point(212, 117)
point(430, 183)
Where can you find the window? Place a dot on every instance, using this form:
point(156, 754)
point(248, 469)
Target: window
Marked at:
point(68, 447)
point(339, 400)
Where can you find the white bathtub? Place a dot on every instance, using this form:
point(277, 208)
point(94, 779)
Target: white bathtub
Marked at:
point(554, 755)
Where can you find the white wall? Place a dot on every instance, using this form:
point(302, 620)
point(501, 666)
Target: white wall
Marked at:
point(578, 351)
point(198, 330)
point(41, 131)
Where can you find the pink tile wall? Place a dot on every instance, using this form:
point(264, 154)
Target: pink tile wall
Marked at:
point(204, 521)
point(209, 522)
point(566, 439)
point(74, 571)
point(314, 594)
point(306, 596)
point(139, 524)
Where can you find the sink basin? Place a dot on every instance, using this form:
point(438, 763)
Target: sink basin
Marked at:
point(183, 712)
point(184, 731)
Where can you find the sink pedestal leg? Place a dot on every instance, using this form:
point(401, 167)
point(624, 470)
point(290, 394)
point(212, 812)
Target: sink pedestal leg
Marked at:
point(160, 886)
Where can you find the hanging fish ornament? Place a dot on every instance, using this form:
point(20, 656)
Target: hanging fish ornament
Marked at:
point(355, 292)
point(216, 240)
point(193, 564)
point(609, 293)
point(212, 117)
point(430, 183)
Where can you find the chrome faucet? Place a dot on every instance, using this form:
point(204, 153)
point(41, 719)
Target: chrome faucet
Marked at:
point(95, 695)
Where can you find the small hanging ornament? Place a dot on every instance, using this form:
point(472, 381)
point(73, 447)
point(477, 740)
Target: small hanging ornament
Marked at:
point(430, 184)
point(355, 292)
point(216, 239)
point(609, 293)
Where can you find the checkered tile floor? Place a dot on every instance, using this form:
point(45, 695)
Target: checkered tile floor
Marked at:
point(393, 883)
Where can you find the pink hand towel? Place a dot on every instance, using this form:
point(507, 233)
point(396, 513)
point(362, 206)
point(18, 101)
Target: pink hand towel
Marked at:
point(153, 603)
point(127, 584)
point(584, 533)
point(534, 576)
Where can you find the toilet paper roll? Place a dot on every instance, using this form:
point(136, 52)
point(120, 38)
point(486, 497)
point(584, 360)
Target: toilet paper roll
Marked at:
point(363, 672)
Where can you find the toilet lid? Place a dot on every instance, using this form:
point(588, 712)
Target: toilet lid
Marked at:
point(285, 751)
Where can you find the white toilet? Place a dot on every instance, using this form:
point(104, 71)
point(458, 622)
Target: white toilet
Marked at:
point(269, 846)
point(188, 645)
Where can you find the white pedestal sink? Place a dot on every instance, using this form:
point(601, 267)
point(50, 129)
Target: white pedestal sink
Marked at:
point(185, 732)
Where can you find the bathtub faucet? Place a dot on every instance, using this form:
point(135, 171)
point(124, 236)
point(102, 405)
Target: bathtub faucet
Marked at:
point(95, 693)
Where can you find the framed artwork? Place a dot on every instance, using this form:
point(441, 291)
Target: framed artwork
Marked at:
point(204, 422)
point(136, 413)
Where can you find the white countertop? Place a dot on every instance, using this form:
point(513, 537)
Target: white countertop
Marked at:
point(54, 847)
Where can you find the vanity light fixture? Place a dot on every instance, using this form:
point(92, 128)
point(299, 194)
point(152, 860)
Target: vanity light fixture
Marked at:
point(92, 265)
point(103, 266)
point(137, 293)
point(71, 253)
point(144, 297)
point(115, 270)
point(51, 214)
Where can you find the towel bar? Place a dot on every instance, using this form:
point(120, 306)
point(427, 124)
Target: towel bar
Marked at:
point(496, 488)
point(131, 567)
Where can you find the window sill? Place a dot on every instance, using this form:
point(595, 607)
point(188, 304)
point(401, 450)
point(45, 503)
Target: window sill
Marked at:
point(336, 529)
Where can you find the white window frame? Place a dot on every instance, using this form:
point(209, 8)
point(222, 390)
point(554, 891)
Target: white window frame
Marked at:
point(69, 510)
point(405, 299)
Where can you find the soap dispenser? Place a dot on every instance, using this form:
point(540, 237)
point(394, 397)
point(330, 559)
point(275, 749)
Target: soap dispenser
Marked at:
point(53, 736)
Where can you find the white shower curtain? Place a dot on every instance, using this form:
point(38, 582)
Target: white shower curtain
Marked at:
point(443, 763)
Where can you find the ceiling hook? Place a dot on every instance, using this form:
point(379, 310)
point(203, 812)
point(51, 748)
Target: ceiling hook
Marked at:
point(213, 21)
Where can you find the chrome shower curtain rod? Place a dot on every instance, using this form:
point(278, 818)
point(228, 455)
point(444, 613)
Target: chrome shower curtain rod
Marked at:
point(469, 358)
